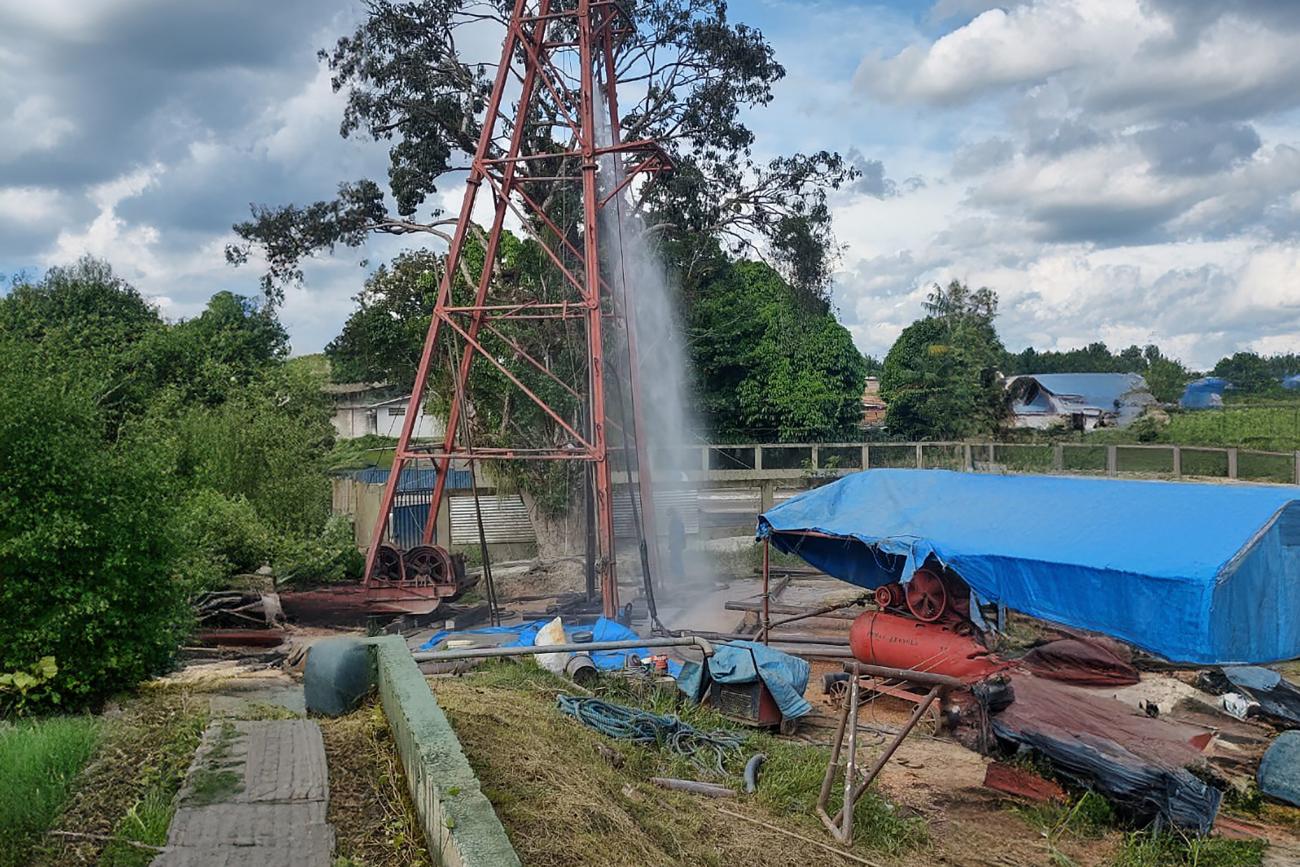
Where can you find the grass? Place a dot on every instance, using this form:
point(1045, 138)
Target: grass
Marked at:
point(374, 821)
point(215, 780)
point(39, 760)
point(563, 791)
point(370, 450)
point(128, 790)
point(1151, 849)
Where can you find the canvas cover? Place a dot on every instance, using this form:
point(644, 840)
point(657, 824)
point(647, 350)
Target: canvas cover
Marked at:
point(1194, 572)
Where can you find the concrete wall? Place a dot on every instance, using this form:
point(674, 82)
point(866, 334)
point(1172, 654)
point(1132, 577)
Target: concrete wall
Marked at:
point(459, 823)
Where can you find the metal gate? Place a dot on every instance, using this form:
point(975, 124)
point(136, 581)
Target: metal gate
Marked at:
point(410, 510)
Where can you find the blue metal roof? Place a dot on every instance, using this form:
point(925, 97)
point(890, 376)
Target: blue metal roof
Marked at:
point(413, 478)
point(1099, 390)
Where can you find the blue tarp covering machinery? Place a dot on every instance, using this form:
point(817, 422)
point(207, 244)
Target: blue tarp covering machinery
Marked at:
point(1195, 573)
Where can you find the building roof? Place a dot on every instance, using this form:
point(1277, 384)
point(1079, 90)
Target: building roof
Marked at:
point(1079, 391)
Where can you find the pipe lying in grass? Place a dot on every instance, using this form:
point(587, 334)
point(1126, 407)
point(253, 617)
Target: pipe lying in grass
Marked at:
point(695, 787)
point(703, 644)
point(751, 772)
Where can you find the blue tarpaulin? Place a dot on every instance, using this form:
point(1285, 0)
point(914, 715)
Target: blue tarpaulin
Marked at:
point(526, 635)
point(1204, 393)
point(785, 676)
point(1198, 573)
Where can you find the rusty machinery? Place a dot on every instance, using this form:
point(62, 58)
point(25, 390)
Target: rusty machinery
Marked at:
point(548, 49)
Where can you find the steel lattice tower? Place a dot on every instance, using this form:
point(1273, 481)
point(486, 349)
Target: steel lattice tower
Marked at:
point(549, 46)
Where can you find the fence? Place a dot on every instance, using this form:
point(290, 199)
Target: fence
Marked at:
point(757, 461)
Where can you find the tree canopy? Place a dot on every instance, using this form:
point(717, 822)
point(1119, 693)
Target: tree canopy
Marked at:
point(144, 460)
point(769, 367)
point(692, 73)
point(940, 378)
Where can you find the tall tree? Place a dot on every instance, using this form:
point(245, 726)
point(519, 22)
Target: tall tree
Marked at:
point(768, 366)
point(940, 378)
point(692, 74)
point(382, 338)
point(1247, 371)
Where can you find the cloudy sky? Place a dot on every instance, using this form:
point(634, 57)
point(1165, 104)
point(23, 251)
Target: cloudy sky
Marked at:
point(1122, 170)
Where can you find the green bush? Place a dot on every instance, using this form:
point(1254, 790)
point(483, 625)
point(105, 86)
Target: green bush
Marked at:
point(87, 544)
point(220, 536)
point(330, 557)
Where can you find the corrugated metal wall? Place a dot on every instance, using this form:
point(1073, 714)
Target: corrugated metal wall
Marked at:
point(505, 519)
point(685, 502)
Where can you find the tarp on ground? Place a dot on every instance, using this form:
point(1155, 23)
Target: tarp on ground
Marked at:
point(1197, 573)
point(785, 676)
point(525, 635)
point(1204, 393)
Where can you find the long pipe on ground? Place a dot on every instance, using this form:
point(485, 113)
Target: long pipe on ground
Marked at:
point(586, 647)
point(797, 638)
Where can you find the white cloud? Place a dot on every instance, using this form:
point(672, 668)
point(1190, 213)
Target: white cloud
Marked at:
point(129, 247)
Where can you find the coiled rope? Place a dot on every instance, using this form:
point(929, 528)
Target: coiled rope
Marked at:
point(705, 750)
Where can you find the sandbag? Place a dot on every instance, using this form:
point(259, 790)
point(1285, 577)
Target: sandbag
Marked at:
point(338, 675)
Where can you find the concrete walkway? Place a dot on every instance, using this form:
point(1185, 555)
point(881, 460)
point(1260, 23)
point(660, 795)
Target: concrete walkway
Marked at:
point(255, 796)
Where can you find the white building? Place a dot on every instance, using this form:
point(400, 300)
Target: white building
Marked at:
point(364, 408)
point(1078, 401)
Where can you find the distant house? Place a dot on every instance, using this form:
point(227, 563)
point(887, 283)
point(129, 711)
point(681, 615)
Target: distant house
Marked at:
point(1078, 401)
point(1204, 393)
point(873, 408)
point(362, 408)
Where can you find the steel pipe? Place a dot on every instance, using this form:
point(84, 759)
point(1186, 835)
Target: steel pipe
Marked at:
point(586, 647)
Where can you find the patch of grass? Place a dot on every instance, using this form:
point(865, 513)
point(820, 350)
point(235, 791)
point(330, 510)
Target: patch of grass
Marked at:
point(128, 790)
point(215, 780)
point(1151, 849)
point(563, 790)
point(39, 760)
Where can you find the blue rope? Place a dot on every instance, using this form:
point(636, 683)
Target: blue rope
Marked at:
point(705, 750)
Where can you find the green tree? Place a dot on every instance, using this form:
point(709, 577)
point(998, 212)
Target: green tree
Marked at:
point(382, 338)
point(768, 366)
point(87, 542)
point(1247, 371)
point(692, 77)
point(940, 378)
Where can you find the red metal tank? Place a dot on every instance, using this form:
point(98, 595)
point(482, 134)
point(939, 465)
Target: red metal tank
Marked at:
point(877, 638)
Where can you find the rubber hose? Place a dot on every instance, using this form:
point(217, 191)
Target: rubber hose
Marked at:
point(751, 772)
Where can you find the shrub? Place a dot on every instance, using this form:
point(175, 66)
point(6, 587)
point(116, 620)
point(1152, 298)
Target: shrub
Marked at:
point(86, 539)
point(330, 557)
point(220, 536)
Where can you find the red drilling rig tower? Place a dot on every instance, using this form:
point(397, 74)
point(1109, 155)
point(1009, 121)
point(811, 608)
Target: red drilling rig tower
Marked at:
point(561, 55)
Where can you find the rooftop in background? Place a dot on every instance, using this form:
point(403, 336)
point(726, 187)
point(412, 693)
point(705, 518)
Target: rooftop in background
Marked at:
point(1083, 400)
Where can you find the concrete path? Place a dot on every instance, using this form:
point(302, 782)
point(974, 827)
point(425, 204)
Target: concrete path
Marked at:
point(255, 796)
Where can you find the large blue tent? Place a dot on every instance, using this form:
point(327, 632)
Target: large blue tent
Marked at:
point(1198, 573)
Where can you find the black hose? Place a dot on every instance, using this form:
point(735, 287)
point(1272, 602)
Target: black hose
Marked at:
point(751, 772)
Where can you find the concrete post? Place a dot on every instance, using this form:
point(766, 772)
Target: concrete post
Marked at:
point(816, 458)
point(967, 461)
point(758, 457)
point(866, 458)
point(991, 455)
point(920, 459)
point(1297, 468)
point(704, 458)
point(1178, 462)
point(766, 495)
point(1112, 460)
point(1232, 463)
point(1058, 457)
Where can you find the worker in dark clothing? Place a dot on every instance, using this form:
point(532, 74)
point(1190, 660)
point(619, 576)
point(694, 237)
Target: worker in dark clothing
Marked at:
point(676, 544)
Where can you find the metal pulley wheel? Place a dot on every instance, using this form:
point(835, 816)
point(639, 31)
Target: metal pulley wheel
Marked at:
point(428, 563)
point(889, 595)
point(388, 564)
point(927, 597)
